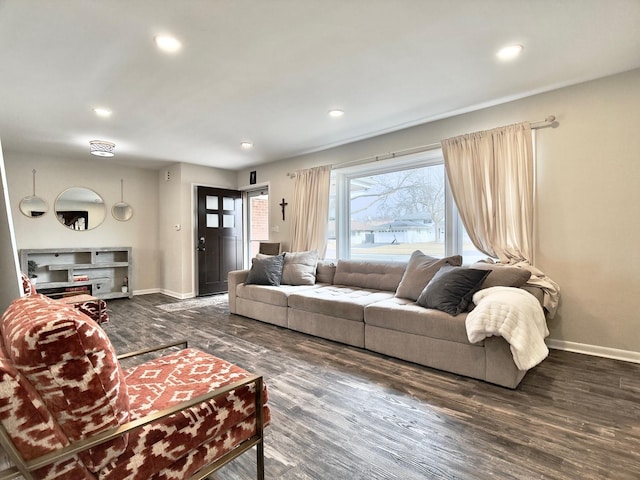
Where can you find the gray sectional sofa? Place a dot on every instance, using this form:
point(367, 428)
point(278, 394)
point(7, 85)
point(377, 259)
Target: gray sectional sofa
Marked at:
point(355, 303)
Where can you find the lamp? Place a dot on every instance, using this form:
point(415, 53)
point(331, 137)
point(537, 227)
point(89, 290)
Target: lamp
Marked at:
point(101, 148)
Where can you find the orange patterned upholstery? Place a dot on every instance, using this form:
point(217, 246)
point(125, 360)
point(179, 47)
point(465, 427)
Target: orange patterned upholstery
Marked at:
point(94, 307)
point(62, 382)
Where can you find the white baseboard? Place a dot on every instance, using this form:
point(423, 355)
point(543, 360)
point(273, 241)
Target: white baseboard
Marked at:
point(146, 292)
point(595, 350)
point(179, 296)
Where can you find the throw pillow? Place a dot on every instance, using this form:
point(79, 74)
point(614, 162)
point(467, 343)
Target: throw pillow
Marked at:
point(266, 271)
point(420, 270)
point(300, 268)
point(502, 275)
point(452, 289)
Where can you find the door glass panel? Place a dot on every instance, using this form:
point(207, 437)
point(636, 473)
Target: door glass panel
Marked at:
point(212, 202)
point(212, 220)
point(228, 203)
point(228, 221)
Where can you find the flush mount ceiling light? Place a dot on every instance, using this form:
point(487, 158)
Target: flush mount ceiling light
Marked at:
point(101, 148)
point(167, 43)
point(509, 52)
point(336, 113)
point(102, 112)
point(246, 145)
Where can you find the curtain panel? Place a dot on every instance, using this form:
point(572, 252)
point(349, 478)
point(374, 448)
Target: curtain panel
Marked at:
point(310, 210)
point(491, 177)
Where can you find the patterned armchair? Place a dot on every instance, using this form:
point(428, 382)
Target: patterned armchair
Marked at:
point(94, 307)
point(69, 411)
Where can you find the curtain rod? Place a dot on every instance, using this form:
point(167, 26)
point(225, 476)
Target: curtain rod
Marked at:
point(547, 122)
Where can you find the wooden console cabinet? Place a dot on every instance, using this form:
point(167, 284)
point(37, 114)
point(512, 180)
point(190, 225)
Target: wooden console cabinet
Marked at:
point(103, 271)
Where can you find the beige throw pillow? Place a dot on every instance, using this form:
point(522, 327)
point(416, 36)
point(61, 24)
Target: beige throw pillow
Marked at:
point(502, 275)
point(300, 268)
point(420, 270)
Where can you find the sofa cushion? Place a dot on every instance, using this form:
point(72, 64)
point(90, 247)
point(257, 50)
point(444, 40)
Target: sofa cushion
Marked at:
point(269, 294)
point(325, 272)
point(370, 275)
point(337, 301)
point(420, 270)
point(502, 275)
point(69, 360)
point(300, 268)
point(403, 315)
point(452, 288)
point(266, 270)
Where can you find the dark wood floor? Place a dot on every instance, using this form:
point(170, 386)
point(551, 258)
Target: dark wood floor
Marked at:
point(344, 413)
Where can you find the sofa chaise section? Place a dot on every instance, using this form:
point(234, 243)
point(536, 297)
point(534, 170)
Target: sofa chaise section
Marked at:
point(403, 329)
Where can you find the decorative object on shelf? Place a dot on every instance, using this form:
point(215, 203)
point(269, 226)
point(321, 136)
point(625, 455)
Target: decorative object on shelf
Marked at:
point(33, 206)
point(282, 205)
point(101, 148)
point(122, 211)
point(80, 208)
point(125, 285)
point(32, 267)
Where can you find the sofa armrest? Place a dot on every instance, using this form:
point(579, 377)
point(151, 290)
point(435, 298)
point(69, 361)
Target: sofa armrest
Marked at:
point(235, 278)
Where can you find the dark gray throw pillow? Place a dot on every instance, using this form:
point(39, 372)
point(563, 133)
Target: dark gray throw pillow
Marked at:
point(266, 271)
point(452, 288)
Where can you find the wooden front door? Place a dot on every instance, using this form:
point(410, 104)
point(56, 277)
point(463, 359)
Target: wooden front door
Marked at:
point(219, 243)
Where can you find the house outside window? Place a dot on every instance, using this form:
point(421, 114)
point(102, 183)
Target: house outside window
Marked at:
point(257, 212)
point(386, 210)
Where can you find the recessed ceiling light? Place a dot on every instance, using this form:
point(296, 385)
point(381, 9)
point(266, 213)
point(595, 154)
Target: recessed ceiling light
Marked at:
point(510, 52)
point(246, 145)
point(167, 43)
point(336, 113)
point(102, 112)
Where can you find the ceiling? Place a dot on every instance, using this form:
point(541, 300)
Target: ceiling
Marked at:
point(268, 71)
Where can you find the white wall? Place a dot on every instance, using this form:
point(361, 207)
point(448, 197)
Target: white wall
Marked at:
point(588, 174)
point(178, 207)
point(9, 270)
point(57, 174)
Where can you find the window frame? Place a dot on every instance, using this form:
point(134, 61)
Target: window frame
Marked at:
point(454, 230)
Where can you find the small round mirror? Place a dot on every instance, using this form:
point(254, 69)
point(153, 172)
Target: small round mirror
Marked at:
point(33, 206)
point(122, 211)
point(79, 208)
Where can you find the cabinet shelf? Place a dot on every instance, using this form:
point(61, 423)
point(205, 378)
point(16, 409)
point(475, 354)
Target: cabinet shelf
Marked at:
point(85, 266)
point(106, 269)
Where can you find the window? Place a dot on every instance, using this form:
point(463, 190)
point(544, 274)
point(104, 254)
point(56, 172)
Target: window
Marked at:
point(386, 210)
point(257, 221)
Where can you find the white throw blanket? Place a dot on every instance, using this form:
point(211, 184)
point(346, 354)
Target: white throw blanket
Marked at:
point(515, 315)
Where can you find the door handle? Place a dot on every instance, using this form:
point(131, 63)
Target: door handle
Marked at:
point(200, 247)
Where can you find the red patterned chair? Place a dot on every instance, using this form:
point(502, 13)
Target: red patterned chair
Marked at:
point(94, 307)
point(69, 411)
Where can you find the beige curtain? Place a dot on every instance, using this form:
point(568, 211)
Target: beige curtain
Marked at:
point(491, 178)
point(310, 210)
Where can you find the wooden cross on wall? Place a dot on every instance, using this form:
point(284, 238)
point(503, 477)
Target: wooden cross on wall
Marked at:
point(282, 205)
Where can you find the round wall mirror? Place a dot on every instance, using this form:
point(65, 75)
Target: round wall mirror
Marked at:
point(33, 206)
point(122, 211)
point(79, 208)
